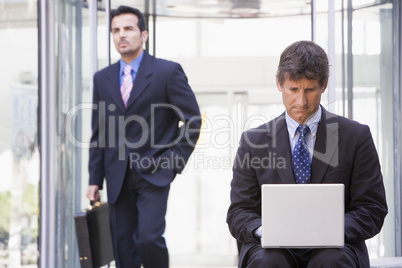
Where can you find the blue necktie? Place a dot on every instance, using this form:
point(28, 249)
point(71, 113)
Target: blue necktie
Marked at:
point(301, 157)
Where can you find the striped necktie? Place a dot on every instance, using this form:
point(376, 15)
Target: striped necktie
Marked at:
point(127, 84)
point(301, 157)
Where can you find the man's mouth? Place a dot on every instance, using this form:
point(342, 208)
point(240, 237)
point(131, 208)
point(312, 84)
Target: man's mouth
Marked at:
point(301, 109)
point(123, 43)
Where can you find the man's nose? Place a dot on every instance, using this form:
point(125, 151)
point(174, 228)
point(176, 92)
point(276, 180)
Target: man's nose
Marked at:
point(122, 34)
point(301, 99)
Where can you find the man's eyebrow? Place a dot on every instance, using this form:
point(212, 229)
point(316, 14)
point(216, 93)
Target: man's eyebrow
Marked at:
point(125, 27)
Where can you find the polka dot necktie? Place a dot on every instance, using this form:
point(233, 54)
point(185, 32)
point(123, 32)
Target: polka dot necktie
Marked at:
point(301, 157)
point(126, 85)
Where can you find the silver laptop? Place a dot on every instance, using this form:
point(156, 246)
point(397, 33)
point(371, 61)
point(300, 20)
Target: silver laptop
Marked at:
point(302, 215)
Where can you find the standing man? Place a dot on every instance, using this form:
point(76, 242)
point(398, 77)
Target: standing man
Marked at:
point(337, 150)
point(145, 125)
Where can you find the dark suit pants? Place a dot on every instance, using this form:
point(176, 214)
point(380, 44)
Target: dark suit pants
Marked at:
point(257, 257)
point(137, 222)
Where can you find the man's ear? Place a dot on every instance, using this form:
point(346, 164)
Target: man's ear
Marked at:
point(324, 87)
point(144, 36)
point(278, 85)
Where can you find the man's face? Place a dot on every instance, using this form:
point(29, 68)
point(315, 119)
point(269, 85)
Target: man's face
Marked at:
point(127, 37)
point(301, 98)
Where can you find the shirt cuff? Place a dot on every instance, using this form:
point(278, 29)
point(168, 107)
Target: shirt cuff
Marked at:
point(258, 232)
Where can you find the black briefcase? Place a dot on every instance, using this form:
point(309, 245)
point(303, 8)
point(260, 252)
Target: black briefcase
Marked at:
point(93, 235)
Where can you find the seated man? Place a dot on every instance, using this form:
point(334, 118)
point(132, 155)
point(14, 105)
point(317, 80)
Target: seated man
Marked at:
point(302, 77)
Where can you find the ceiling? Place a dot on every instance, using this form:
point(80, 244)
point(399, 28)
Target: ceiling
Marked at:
point(232, 8)
point(244, 8)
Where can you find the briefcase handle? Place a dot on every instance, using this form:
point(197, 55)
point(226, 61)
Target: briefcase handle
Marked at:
point(94, 204)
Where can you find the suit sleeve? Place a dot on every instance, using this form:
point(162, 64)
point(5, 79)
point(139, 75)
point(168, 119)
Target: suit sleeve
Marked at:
point(96, 151)
point(244, 214)
point(186, 107)
point(367, 207)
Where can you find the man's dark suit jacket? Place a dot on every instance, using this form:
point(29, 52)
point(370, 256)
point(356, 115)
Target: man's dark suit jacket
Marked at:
point(145, 134)
point(344, 152)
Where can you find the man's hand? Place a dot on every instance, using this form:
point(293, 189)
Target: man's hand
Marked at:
point(93, 193)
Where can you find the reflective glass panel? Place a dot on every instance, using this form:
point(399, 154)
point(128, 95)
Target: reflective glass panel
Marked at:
point(19, 156)
point(373, 103)
point(231, 66)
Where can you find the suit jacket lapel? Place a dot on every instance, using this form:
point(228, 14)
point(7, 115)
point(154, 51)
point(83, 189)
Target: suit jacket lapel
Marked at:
point(280, 147)
point(142, 80)
point(112, 84)
point(326, 147)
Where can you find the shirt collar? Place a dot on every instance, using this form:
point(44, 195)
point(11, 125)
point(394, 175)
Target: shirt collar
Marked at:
point(135, 64)
point(312, 123)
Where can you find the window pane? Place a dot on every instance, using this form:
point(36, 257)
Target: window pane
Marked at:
point(19, 157)
point(372, 102)
point(231, 66)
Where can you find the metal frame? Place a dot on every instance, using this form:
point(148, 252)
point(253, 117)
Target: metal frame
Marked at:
point(107, 14)
point(343, 61)
point(349, 60)
point(93, 39)
point(331, 56)
point(313, 21)
point(397, 121)
point(47, 129)
point(147, 15)
point(154, 27)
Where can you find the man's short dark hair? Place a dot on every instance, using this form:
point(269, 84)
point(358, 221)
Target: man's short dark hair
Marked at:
point(129, 10)
point(303, 59)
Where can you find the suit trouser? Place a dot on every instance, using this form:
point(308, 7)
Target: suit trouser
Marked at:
point(137, 222)
point(258, 257)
